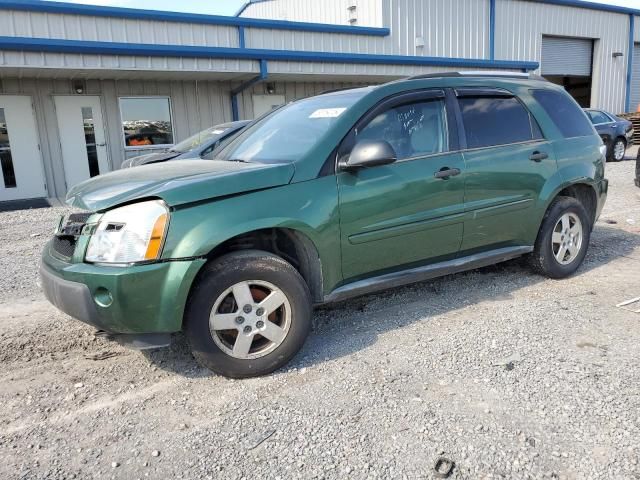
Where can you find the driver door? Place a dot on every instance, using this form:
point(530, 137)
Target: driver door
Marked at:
point(401, 215)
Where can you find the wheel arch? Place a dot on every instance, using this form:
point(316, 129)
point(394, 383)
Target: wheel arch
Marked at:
point(584, 192)
point(293, 245)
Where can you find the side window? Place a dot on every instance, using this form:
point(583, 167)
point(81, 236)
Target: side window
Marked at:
point(497, 121)
point(598, 117)
point(413, 129)
point(565, 113)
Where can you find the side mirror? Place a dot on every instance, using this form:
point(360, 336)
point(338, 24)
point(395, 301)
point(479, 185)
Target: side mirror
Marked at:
point(369, 153)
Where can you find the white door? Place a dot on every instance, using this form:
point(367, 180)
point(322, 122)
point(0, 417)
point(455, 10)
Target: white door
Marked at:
point(264, 103)
point(20, 161)
point(84, 149)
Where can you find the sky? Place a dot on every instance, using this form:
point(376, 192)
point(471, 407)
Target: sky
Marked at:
point(229, 7)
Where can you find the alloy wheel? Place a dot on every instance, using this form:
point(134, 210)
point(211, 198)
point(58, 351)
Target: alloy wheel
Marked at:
point(250, 319)
point(618, 150)
point(566, 239)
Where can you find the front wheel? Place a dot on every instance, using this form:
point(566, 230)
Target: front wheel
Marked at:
point(562, 240)
point(617, 150)
point(248, 314)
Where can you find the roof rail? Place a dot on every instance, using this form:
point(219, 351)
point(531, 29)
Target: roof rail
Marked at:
point(478, 73)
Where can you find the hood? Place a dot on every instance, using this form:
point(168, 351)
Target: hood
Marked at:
point(177, 183)
point(149, 158)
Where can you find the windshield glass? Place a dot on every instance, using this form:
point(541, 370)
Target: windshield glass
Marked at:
point(290, 132)
point(198, 139)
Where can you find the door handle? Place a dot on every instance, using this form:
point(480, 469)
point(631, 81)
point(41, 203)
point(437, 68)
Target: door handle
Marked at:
point(101, 144)
point(446, 172)
point(538, 156)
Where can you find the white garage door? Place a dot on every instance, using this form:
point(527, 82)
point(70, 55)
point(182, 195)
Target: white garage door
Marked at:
point(566, 56)
point(635, 79)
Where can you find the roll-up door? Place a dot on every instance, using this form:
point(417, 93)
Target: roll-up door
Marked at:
point(566, 56)
point(635, 79)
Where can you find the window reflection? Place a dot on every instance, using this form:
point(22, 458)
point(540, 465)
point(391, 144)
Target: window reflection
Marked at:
point(412, 130)
point(6, 161)
point(146, 121)
point(90, 141)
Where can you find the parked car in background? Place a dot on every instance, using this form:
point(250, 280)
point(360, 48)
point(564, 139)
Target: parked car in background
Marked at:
point(327, 198)
point(199, 145)
point(616, 132)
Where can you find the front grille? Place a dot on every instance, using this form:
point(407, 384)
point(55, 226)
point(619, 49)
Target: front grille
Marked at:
point(64, 242)
point(64, 245)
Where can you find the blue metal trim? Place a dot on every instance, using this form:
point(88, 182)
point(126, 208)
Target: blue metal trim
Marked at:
point(117, 48)
point(241, 10)
point(492, 29)
point(627, 99)
point(241, 37)
point(264, 73)
point(139, 14)
point(246, 4)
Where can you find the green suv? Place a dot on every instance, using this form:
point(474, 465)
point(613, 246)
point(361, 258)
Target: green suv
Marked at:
point(326, 198)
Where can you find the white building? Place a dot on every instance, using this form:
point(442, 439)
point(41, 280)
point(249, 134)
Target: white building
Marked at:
point(77, 82)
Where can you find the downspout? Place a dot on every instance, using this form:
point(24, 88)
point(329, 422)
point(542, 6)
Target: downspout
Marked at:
point(627, 100)
point(248, 84)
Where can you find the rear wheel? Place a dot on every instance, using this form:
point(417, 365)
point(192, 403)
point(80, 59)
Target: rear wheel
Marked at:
point(563, 239)
point(617, 150)
point(248, 315)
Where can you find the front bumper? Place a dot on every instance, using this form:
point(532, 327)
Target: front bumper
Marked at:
point(629, 136)
point(122, 300)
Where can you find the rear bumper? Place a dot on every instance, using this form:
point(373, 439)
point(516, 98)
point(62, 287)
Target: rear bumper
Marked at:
point(603, 189)
point(120, 300)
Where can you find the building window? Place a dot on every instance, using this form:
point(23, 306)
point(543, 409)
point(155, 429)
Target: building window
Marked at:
point(146, 121)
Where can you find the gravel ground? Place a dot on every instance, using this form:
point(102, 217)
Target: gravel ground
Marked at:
point(506, 373)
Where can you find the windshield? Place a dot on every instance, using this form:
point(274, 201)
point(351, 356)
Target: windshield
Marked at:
point(290, 132)
point(198, 139)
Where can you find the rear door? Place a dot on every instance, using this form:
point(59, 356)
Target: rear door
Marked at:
point(508, 162)
point(400, 214)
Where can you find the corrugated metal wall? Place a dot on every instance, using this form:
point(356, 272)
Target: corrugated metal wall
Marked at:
point(110, 29)
point(521, 25)
point(635, 79)
point(457, 29)
point(449, 28)
point(367, 12)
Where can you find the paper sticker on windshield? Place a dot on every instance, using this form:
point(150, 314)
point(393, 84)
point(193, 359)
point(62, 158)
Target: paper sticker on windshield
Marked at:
point(217, 132)
point(327, 113)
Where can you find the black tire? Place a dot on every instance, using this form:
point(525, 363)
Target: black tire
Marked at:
point(226, 271)
point(611, 156)
point(543, 259)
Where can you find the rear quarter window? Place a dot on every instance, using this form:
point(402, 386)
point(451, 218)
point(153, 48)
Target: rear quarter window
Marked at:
point(564, 112)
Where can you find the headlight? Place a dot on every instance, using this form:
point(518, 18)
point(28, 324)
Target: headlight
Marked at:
point(133, 233)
